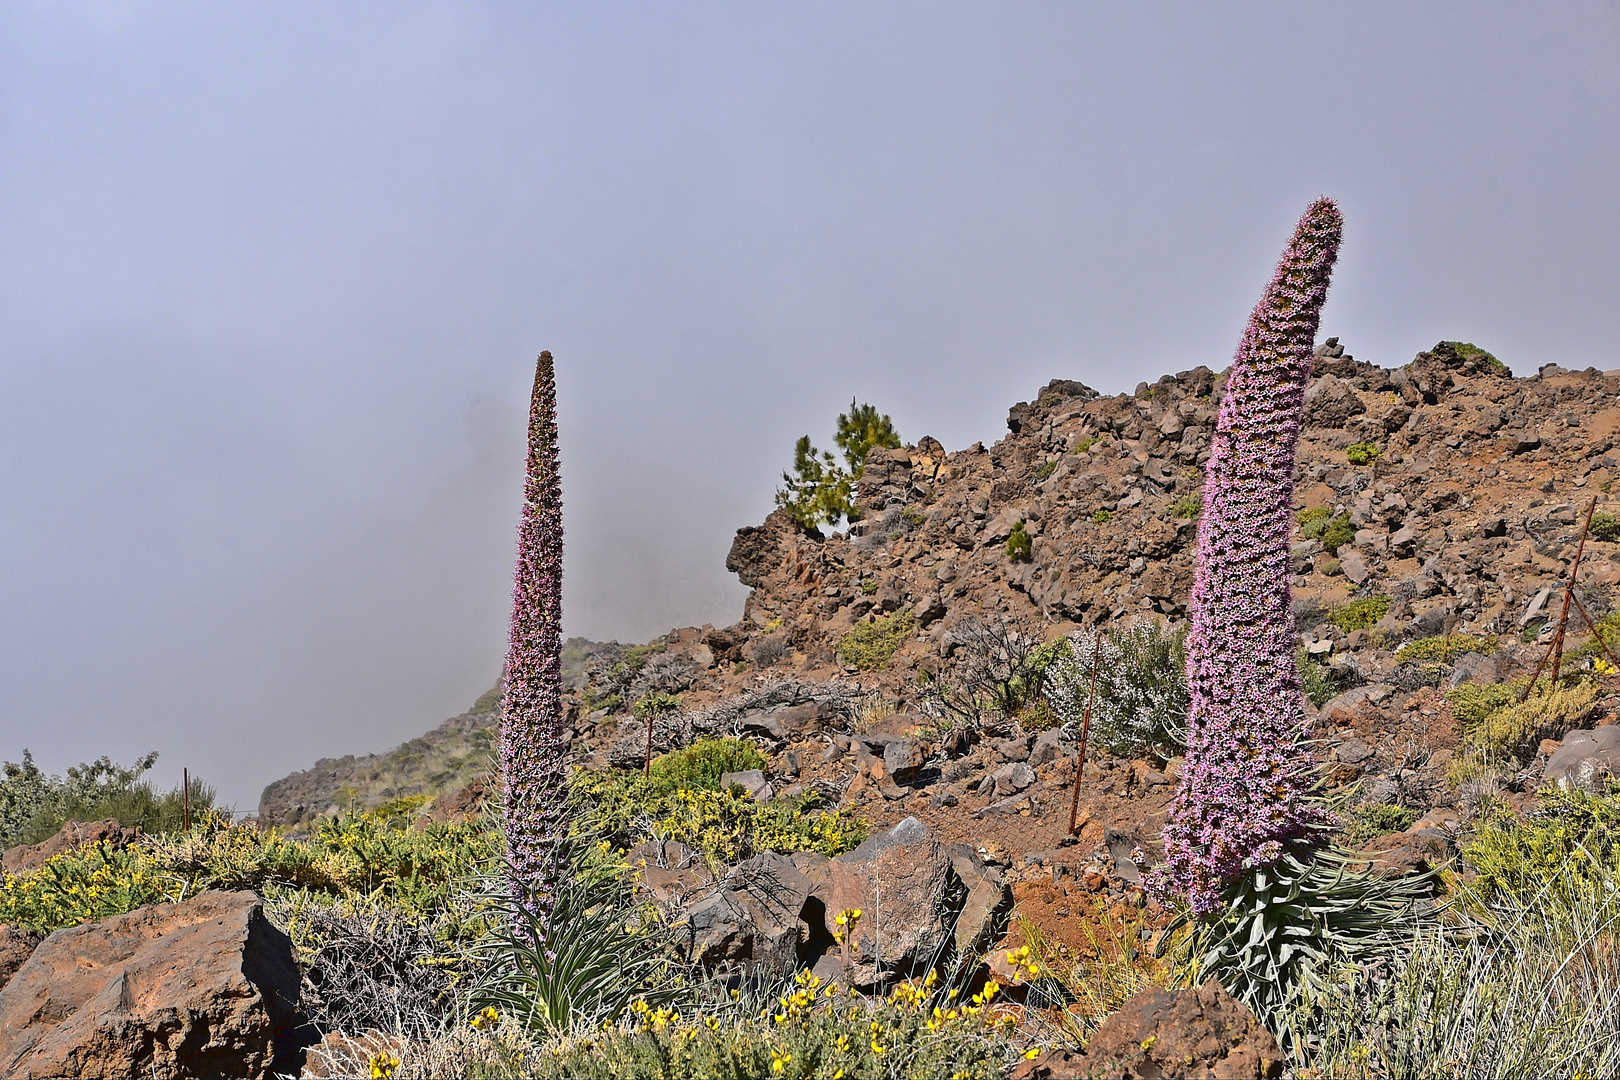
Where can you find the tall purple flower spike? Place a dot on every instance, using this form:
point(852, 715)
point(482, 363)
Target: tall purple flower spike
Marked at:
point(1242, 792)
point(534, 743)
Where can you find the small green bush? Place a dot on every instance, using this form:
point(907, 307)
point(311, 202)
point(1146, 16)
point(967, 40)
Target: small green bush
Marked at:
point(1332, 567)
point(700, 766)
point(1518, 729)
point(1312, 521)
point(1018, 543)
point(1046, 469)
point(1338, 533)
point(1316, 680)
point(1472, 702)
point(1605, 526)
point(1359, 614)
point(1608, 631)
point(1493, 719)
point(871, 645)
point(1444, 649)
point(1372, 820)
point(1102, 517)
point(1189, 505)
point(1086, 443)
point(1362, 453)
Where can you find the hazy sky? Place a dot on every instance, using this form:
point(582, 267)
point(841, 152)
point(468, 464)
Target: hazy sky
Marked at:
point(273, 277)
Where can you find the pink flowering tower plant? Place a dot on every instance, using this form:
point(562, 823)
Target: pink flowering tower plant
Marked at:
point(534, 740)
point(1272, 906)
point(1242, 796)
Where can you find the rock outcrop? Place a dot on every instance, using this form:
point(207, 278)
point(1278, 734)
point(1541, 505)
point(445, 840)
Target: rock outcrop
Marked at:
point(203, 988)
point(1170, 1033)
point(73, 834)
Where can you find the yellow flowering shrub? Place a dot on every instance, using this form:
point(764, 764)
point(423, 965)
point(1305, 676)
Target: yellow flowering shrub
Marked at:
point(348, 857)
point(726, 826)
point(919, 1030)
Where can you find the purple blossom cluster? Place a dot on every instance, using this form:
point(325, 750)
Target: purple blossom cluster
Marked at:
point(1242, 795)
point(534, 742)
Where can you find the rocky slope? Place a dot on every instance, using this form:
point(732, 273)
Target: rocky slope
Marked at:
point(1465, 520)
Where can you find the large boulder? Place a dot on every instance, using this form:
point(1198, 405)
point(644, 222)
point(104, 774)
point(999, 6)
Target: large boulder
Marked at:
point(918, 898)
point(203, 988)
point(1170, 1033)
point(1586, 759)
point(765, 914)
point(73, 834)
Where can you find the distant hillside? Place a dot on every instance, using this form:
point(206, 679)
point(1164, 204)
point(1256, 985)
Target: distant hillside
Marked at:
point(443, 760)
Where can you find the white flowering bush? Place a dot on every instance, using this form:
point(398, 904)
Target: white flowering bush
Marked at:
point(1141, 699)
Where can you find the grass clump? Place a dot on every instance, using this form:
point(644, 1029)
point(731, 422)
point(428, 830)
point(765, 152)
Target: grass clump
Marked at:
point(1362, 453)
point(1046, 469)
point(1085, 444)
point(1444, 648)
point(871, 645)
point(1359, 614)
point(1018, 543)
point(1101, 517)
point(1605, 526)
point(1188, 506)
point(1372, 820)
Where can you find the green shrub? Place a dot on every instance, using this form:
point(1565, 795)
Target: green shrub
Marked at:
point(726, 826)
point(869, 586)
point(700, 766)
point(1332, 567)
point(1102, 517)
point(1189, 505)
point(1493, 719)
point(811, 1031)
point(871, 645)
point(1359, 614)
point(1018, 543)
point(1086, 443)
point(1608, 629)
point(1605, 526)
point(1444, 648)
point(34, 806)
point(1372, 820)
point(1362, 453)
point(1517, 729)
point(1046, 469)
point(1338, 533)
